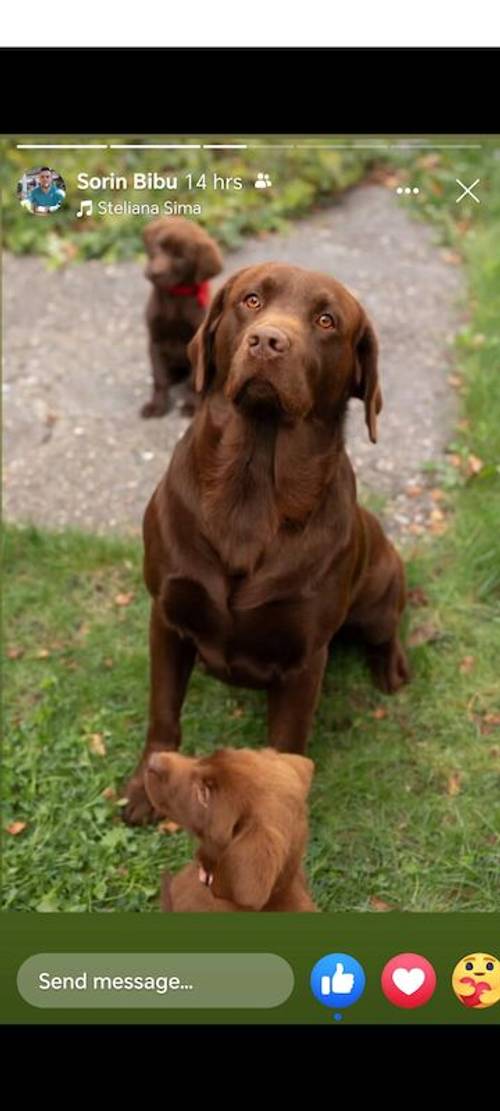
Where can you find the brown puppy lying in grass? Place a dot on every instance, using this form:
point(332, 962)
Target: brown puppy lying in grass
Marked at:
point(248, 810)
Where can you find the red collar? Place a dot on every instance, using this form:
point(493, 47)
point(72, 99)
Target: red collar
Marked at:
point(200, 290)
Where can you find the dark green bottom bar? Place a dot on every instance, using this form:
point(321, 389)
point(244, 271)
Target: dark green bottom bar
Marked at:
point(300, 939)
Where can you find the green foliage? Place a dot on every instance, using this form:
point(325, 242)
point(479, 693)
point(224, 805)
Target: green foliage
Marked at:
point(302, 179)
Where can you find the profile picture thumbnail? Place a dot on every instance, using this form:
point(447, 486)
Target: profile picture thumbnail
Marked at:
point(41, 190)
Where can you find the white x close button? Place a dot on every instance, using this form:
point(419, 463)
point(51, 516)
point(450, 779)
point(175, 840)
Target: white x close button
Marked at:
point(467, 190)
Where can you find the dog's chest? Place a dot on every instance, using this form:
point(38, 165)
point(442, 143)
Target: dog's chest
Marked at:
point(175, 319)
point(241, 643)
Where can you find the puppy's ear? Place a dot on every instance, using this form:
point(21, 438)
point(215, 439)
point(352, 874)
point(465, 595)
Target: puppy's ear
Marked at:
point(220, 814)
point(249, 868)
point(200, 350)
point(150, 232)
point(303, 767)
point(208, 260)
point(366, 382)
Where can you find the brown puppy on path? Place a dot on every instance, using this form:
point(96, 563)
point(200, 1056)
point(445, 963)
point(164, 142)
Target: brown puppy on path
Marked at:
point(248, 810)
point(256, 551)
point(181, 259)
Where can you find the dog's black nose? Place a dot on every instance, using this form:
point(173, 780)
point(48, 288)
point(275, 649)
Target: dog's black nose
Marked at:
point(268, 343)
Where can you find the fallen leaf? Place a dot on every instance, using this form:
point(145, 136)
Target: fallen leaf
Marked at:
point(492, 719)
point(438, 527)
point(424, 634)
point(108, 662)
point(96, 744)
point(453, 784)
point(16, 827)
point(436, 514)
point(417, 597)
point(413, 491)
point(451, 257)
point(437, 494)
point(474, 464)
point(42, 654)
point(379, 904)
point(15, 653)
point(466, 665)
point(455, 460)
point(109, 793)
point(455, 380)
point(124, 599)
point(379, 713)
point(169, 827)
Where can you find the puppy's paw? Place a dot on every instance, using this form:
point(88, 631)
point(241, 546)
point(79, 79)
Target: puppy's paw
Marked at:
point(155, 408)
point(188, 408)
point(138, 811)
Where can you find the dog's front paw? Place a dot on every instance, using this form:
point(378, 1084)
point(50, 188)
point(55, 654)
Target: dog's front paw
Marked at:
point(155, 408)
point(138, 811)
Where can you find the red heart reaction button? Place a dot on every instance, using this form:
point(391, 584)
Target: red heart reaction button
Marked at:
point(408, 980)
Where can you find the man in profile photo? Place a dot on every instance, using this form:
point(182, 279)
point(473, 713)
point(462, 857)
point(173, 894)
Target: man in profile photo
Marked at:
point(46, 195)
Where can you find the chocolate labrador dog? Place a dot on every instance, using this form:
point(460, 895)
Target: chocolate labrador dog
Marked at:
point(256, 551)
point(181, 259)
point(249, 812)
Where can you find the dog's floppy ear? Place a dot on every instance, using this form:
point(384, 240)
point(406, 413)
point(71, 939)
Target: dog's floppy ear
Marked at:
point(208, 260)
point(249, 868)
point(366, 382)
point(200, 349)
point(152, 230)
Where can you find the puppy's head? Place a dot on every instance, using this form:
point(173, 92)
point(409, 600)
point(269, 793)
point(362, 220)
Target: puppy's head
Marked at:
point(280, 339)
point(248, 809)
point(179, 251)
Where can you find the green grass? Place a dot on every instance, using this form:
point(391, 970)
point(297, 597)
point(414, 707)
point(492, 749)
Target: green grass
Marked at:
point(404, 807)
point(383, 823)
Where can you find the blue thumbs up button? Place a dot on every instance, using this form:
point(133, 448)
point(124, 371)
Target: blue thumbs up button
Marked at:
point(337, 980)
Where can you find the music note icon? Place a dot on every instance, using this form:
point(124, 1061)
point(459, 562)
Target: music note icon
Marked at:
point(85, 208)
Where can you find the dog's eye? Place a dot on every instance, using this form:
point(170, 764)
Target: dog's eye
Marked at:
point(252, 301)
point(325, 320)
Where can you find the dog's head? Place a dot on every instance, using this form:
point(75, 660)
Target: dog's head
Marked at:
point(179, 251)
point(282, 339)
point(248, 808)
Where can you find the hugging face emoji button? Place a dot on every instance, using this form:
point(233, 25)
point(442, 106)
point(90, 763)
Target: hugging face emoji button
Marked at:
point(476, 980)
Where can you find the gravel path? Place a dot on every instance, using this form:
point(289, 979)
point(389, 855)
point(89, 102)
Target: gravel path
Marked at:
point(76, 451)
